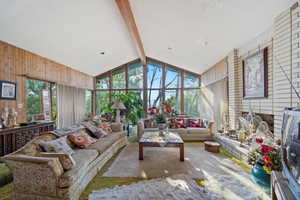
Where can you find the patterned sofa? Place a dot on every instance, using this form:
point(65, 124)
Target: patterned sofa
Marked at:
point(41, 177)
point(187, 133)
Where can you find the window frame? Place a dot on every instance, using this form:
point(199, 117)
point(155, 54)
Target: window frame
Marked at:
point(165, 66)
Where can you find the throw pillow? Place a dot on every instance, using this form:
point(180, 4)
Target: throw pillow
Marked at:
point(105, 126)
point(180, 123)
point(81, 139)
point(57, 146)
point(196, 123)
point(96, 131)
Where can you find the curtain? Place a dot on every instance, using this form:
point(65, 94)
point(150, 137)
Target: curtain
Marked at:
point(70, 105)
point(214, 102)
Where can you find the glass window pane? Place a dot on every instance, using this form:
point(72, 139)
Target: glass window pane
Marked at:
point(33, 97)
point(103, 83)
point(139, 92)
point(174, 97)
point(118, 79)
point(191, 80)
point(116, 92)
point(154, 75)
point(191, 102)
point(172, 78)
point(88, 103)
point(102, 100)
point(135, 76)
point(154, 98)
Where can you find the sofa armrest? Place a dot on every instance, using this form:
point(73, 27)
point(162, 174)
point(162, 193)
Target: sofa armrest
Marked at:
point(117, 127)
point(65, 160)
point(37, 175)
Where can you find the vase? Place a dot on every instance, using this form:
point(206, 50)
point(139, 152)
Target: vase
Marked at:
point(260, 176)
point(161, 126)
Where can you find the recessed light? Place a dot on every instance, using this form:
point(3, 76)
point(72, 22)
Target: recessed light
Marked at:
point(102, 52)
point(169, 48)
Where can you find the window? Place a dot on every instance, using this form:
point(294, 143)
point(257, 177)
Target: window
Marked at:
point(192, 102)
point(174, 97)
point(154, 98)
point(102, 100)
point(103, 83)
point(154, 75)
point(118, 79)
point(88, 103)
point(172, 78)
point(191, 80)
point(139, 92)
point(34, 97)
point(135, 76)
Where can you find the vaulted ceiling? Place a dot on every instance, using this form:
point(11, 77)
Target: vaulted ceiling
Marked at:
point(192, 34)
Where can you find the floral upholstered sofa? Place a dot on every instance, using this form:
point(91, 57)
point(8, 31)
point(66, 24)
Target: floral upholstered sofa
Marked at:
point(41, 175)
point(190, 129)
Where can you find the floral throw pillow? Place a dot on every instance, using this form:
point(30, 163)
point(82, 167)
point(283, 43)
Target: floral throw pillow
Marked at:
point(196, 123)
point(57, 146)
point(180, 123)
point(81, 139)
point(105, 127)
point(95, 130)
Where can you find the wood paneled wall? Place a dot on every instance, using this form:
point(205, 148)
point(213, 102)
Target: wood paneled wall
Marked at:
point(17, 64)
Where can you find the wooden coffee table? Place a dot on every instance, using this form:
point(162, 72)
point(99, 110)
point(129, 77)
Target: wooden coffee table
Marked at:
point(155, 139)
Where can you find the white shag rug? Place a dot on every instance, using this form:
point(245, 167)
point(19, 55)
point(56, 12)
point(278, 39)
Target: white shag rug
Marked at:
point(179, 187)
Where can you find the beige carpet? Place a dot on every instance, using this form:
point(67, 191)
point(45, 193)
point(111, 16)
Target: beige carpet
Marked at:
point(179, 187)
point(158, 162)
point(222, 176)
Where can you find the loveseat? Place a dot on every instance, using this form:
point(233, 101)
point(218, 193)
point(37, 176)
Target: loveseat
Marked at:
point(187, 133)
point(40, 176)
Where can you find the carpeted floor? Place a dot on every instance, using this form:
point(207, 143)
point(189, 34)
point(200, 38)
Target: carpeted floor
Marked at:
point(179, 187)
point(158, 162)
point(222, 175)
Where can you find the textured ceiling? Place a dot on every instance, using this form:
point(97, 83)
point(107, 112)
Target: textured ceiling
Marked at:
point(192, 34)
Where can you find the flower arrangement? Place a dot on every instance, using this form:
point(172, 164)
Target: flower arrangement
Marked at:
point(268, 156)
point(161, 113)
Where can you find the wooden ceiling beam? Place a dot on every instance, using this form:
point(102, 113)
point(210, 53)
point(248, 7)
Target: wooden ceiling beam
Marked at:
point(129, 20)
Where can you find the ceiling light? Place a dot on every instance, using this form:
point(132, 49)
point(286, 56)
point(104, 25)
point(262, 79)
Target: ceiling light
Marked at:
point(169, 48)
point(102, 52)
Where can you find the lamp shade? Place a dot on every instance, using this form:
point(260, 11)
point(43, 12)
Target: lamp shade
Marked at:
point(118, 105)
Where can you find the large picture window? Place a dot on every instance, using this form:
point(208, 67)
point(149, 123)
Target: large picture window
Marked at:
point(155, 83)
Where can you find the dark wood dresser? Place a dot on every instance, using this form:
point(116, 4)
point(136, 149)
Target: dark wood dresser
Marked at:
point(11, 139)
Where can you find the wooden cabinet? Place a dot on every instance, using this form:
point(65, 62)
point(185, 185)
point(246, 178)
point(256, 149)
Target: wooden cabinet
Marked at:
point(12, 139)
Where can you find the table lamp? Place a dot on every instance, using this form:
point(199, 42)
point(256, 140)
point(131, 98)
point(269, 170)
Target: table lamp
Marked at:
point(118, 105)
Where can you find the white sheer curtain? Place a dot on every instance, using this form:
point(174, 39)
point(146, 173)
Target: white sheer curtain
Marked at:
point(70, 105)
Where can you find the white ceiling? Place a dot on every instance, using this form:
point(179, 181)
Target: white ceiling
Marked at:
point(74, 32)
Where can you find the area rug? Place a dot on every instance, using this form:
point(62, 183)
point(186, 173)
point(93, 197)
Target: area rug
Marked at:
point(180, 187)
point(158, 162)
point(222, 175)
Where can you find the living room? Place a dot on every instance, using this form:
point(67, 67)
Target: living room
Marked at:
point(135, 99)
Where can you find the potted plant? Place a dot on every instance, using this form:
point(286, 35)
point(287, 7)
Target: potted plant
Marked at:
point(264, 159)
point(161, 114)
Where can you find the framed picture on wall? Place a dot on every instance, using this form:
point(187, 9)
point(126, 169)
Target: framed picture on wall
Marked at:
point(8, 90)
point(255, 75)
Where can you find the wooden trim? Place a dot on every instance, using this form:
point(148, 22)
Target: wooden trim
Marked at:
point(145, 93)
point(128, 17)
point(182, 92)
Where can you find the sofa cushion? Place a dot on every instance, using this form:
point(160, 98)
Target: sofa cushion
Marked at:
point(81, 139)
point(198, 130)
point(104, 143)
point(195, 123)
point(94, 130)
point(83, 158)
point(57, 146)
point(179, 130)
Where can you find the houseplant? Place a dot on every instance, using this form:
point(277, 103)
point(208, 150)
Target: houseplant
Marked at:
point(161, 114)
point(264, 159)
